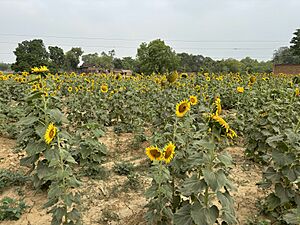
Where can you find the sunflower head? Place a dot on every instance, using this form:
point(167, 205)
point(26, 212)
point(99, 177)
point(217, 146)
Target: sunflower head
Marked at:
point(252, 79)
point(154, 153)
point(240, 89)
point(182, 108)
point(104, 88)
point(50, 133)
point(220, 121)
point(218, 106)
point(193, 100)
point(172, 77)
point(70, 89)
point(169, 151)
point(231, 133)
point(297, 91)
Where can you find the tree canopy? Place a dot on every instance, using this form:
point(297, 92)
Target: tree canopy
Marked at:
point(30, 54)
point(156, 57)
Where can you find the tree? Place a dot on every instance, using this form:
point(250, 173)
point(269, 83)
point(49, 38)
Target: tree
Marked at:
point(92, 59)
point(156, 57)
point(72, 58)
point(295, 47)
point(57, 58)
point(30, 54)
point(284, 55)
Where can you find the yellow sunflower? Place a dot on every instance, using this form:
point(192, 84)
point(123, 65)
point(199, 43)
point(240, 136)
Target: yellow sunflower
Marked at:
point(218, 106)
point(169, 151)
point(50, 133)
point(154, 153)
point(297, 91)
point(231, 133)
point(193, 100)
point(70, 89)
point(182, 108)
point(221, 121)
point(172, 77)
point(104, 88)
point(240, 89)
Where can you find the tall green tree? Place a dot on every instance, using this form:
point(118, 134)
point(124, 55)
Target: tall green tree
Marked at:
point(295, 47)
point(156, 57)
point(57, 58)
point(30, 54)
point(284, 55)
point(72, 58)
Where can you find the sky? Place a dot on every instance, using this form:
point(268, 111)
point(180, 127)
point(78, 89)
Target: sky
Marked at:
point(214, 28)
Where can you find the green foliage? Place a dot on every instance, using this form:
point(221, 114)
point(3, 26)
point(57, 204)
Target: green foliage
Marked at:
point(295, 47)
point(72, 58)
point(30, 54)
point(156, 57)
point(9, 178)
point(123, 168)
point(11, 209)
point(57, 59)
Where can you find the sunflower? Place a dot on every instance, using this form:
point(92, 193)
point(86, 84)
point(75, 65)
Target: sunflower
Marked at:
point(39, 69)
point(169, 151)
point(252, 79)
point(70, 89)
point(218, 106)
point(193, 100)
point(172, 77)
point(240, 89)
point(231, 133)
point(33, 87)
point(104, 88)
point(207, 78)
point(154, 153)
point(50, 133)
point(221, 121)
point(182, 108)
point(297, 91)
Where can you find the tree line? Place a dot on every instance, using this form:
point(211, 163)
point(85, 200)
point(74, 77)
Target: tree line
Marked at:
point(154, 56)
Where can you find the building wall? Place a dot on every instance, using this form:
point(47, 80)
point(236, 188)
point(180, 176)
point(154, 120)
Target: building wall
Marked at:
point(286, 69)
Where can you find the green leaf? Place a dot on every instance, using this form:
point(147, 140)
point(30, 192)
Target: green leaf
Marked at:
point(282, 193)
point(34, 148)
point(272, 201)
point(183, 216)
point(58, 116)
point(26, 121)
point(192, 185)
point(272, 141)
point(210, 178)
point(204, 216)
point(226, 159)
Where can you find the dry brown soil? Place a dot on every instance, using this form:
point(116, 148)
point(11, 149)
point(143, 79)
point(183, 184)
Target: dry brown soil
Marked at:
point(107, 202)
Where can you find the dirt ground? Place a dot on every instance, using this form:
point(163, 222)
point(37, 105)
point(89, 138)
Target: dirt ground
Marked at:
point(108, 201)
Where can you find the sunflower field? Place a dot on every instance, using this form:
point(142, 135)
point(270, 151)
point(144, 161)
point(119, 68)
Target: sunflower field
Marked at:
point(166, 147)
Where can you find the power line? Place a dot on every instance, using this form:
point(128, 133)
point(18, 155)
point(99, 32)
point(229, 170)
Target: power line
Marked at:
point(132, 39)
point(117, 46)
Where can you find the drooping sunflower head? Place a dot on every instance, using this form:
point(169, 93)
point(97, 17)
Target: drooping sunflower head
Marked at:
point(172, 77)
point(252, 79)
point(182, 108)
point(221, 121)
point(218, 106)
point(169, 151)
point(50, 133)
point(231, 133)
point(240, 89)
point(154, 153)
point(297, 92)
point(104, 88)
point(193, 100)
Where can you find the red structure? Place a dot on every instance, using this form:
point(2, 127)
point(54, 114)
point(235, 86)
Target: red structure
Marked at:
point(292, 69)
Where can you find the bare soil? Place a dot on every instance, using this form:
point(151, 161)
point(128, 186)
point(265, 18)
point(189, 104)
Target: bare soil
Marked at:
point(112, 200)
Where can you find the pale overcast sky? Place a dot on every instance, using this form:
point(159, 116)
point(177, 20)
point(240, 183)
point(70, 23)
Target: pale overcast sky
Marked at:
point(214, 28)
